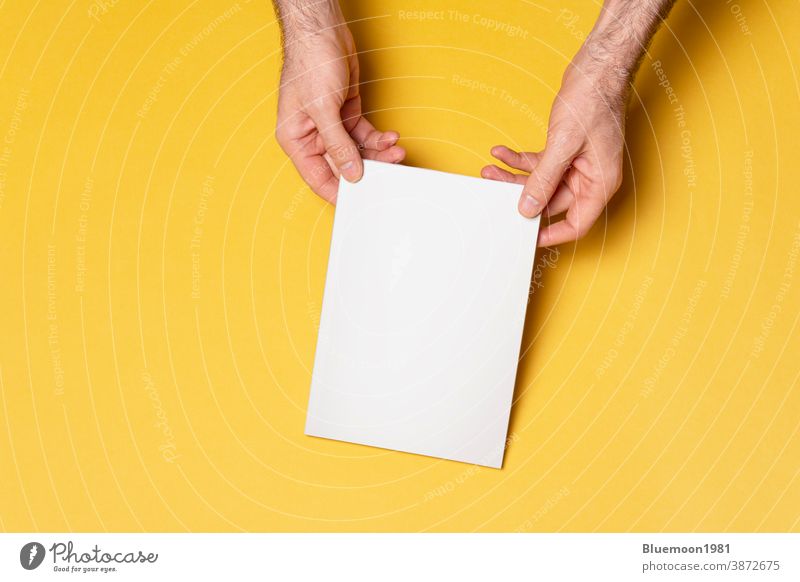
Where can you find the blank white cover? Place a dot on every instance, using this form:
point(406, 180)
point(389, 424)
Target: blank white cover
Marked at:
point(422, 317)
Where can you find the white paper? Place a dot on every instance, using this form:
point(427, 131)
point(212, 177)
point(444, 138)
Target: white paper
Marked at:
point(422, 316)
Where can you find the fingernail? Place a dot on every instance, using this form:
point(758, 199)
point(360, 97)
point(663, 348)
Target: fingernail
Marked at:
point(349, 171)
point(529, 206)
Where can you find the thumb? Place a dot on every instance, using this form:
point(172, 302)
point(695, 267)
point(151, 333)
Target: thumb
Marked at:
point(340, 147)
point(543, 181)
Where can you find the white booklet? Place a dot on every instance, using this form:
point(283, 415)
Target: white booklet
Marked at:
point(419, 339)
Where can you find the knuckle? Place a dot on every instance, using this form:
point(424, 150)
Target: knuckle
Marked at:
point(580, 227)
point(546, 181)
point(526, 161)
point(340, 152)
point(324, 104)
point(582, 230)
point(281, 136)
point(564, 141)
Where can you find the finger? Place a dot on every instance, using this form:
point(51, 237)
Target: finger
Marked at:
point(317, 173)
point(297, 136)
point(493, 172)
point(386, 140)
point(339, 146)
point(332, 165)
point(544, 179)
point(524, 161)
point(351, 113)
point(378, 140)
point(560, 201)
point(393, 155)
point(579, 219)
point(364, 133)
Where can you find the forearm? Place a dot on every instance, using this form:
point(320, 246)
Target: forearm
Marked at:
point(301, 20)
point(613, 50)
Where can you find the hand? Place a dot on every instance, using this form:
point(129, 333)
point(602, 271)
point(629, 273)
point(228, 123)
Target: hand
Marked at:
point(580, 168)
point(320, 124)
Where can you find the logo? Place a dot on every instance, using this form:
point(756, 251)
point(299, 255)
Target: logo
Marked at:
point(31, 555)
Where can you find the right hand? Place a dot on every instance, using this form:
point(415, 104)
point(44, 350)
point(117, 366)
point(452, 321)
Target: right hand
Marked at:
point(580, 168)
point(320, 124)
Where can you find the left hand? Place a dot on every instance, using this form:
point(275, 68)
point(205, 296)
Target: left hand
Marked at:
point(320, 122)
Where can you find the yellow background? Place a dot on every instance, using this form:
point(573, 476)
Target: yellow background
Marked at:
point(162, 271)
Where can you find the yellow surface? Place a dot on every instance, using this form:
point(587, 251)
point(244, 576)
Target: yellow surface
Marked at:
point(163, 265)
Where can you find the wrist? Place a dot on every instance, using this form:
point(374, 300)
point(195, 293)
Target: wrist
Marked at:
point(613, 50)
point(601, 75)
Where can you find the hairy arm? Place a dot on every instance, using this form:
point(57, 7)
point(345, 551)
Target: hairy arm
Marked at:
point(580, 168)
point(320, 122)
point(620, 37)
point(299, 18)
